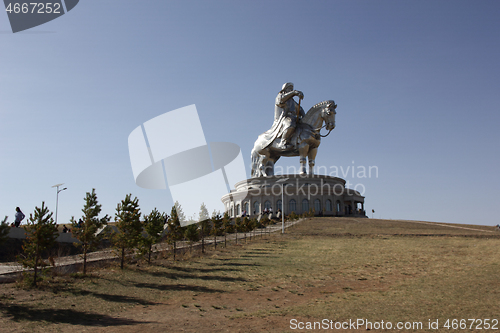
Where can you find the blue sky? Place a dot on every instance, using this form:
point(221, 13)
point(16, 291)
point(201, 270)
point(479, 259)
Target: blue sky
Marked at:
point(416, 83)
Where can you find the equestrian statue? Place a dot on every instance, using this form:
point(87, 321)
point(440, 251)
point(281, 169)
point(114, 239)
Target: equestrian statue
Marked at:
point(294, 132)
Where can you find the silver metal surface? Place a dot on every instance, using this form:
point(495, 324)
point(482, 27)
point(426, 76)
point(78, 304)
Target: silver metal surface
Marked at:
point(294, 133)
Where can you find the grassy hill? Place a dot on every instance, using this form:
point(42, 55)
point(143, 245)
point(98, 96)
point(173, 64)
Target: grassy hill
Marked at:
point(339, 269)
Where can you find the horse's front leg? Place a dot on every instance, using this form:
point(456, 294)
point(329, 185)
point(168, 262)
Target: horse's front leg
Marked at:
point(303, 151)
point(263, 166)
point(312, 159)
point(266, 167)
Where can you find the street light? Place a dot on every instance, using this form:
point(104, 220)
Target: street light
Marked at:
point(57, 196)
point(282, 203)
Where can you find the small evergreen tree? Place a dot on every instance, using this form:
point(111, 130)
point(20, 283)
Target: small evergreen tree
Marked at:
point(153, 225)
point(205, 225)
point(248, 226)
point(293, 216)
point(86, 233)
point(265, 222)
point(253, 224)
point(244, 226)
point(237, 227)
point(180, 212)
point(128, 223)
point(4, 231)
point(41, 236)
point(217, 226)
point(204, 215)
point(192, 235)
point(175, 231)
point(226, 226)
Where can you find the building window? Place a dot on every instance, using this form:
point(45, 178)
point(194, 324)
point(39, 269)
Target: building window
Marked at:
point(338, 206)
point(256, 207)
point(279, 205)
point(292, 206)
point(305, 206)
point(238, 210)
point(317, 206)
point(267, 205)
point(329, 205)
point(246, 207)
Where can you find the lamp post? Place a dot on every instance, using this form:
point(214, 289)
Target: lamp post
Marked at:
point(282, 181)
point(57, 196)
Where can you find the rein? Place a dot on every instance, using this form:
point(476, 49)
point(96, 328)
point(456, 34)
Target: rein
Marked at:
point(319, 131)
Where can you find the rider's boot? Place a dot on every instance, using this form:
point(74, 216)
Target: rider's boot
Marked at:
point(283, 144)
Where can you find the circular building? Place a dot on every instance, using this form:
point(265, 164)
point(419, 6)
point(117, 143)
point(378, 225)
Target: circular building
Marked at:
point(325, 195)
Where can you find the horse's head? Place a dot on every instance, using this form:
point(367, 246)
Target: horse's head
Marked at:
point(328, 114)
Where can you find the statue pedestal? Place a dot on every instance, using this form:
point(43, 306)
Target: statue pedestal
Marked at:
point(325, 195)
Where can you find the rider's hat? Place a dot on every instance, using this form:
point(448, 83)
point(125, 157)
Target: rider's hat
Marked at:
point(286, 85)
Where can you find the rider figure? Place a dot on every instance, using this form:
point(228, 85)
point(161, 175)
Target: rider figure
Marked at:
point(285, 112)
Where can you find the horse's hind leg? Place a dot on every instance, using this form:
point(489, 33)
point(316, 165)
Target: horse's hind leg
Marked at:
point(265, 168)
point(303, 151)
point(312, 160)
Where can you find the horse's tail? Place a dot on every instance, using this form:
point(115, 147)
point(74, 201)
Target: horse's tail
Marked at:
point(255, 163)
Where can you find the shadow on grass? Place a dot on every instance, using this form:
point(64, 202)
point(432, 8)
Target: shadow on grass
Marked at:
point(256, 256)
point(20, 313)
point(237, 264)
point(202, 270)
point(177, 276)
point(110, 297)
point(178, 287)
point(260, 251)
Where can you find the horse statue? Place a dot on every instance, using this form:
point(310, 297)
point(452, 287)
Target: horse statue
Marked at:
point(305, 141)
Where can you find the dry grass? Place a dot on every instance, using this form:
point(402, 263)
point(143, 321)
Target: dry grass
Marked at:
point(338, 269)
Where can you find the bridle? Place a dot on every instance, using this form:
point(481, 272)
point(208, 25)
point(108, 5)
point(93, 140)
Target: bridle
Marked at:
point(318, 130)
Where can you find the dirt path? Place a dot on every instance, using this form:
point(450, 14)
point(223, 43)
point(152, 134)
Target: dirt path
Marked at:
point(445, 225)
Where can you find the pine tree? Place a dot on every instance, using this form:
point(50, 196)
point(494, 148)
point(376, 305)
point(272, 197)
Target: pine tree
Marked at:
point(175, 231)
point(191, 233)
point(226, 226)
point(237, 227)
point(204, 215)
point(128, 223)
point(86, 232)
point(4, 231)
point(253, 224)
point(205, 225)
point(153, 226)
point(41, 236)
point(180, 213)
point(245, 226)
point(217, 226)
